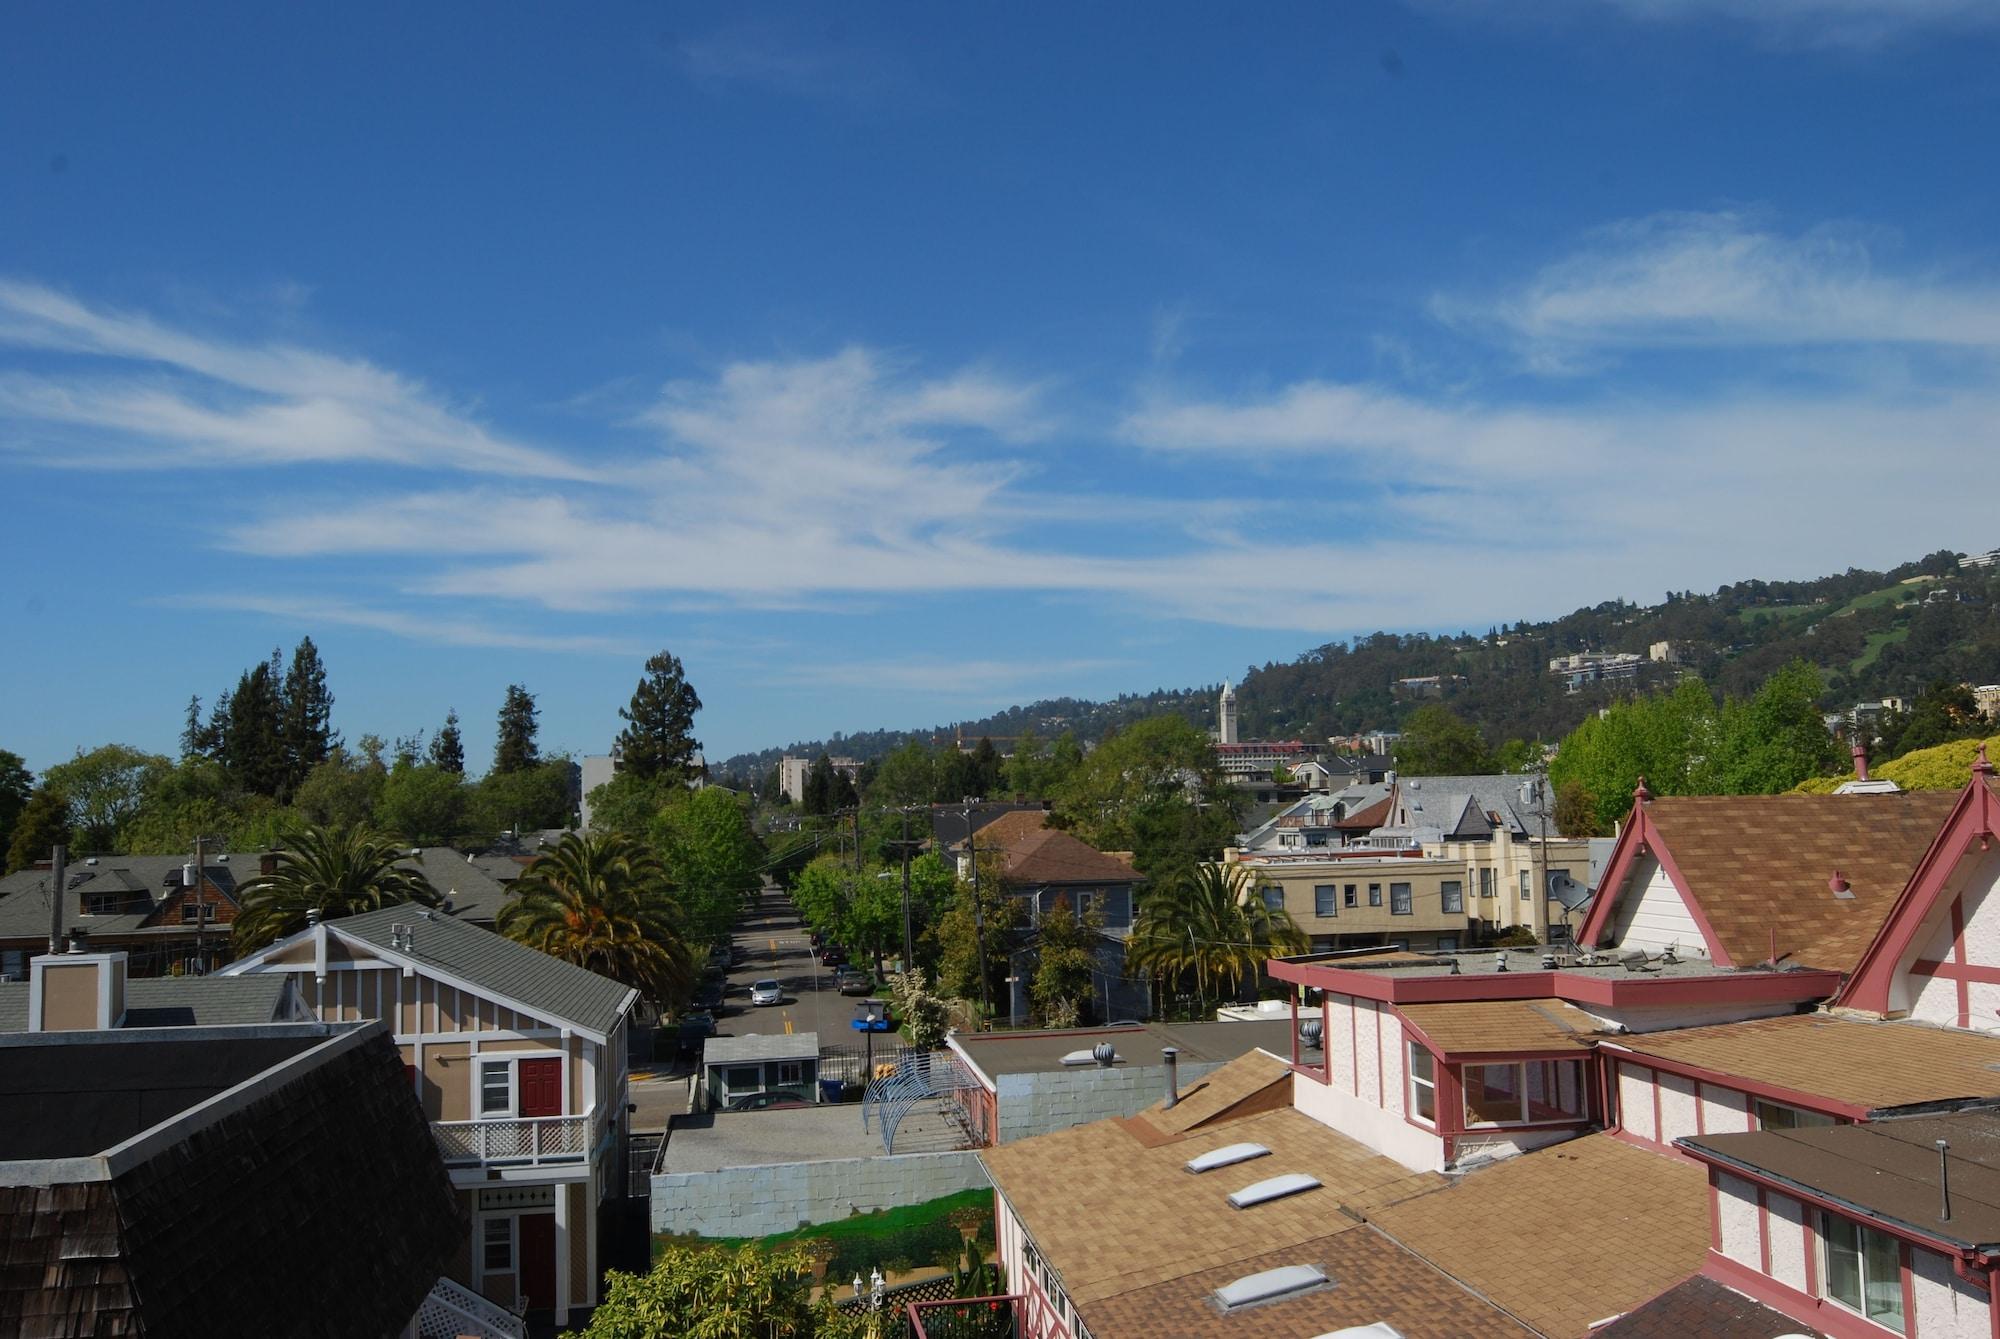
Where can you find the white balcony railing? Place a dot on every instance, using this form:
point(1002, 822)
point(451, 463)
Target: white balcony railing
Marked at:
point(530, 1140)
point(452, 1311)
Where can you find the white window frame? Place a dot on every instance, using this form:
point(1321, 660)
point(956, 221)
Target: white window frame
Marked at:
point(1330, 905)
point(484, 1066)
point(1412, 1083)
point(1527, 885)
point(1862, 1233)
point(1404, 902)
point(1447, 890)
point(486, 1242)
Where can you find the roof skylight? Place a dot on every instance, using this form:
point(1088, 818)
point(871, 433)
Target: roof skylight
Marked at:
point(1275, 1188)
point(1226, 1156)
point(1270, 1286)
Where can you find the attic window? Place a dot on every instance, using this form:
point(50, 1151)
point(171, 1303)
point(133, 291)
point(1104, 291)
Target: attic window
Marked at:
point(1272, 1285)
point(1276, 1188)
point(1227, 1156)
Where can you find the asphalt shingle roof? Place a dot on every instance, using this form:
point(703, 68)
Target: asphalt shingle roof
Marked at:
point(492, 962)
point(174, 1001)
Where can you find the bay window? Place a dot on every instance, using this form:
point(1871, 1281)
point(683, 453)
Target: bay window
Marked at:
point(1524, 1092)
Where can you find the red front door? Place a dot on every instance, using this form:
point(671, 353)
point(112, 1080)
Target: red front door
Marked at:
point(538, 1258)
point(541, 1087)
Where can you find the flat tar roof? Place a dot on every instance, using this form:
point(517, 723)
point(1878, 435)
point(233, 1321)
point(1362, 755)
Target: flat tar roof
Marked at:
point(998, 1053)
point(823, 1133)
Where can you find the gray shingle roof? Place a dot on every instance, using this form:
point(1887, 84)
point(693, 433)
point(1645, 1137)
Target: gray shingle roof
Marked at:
point(174, 1001)
point(1444, 800)
point(560, 991)
point(760, 1046)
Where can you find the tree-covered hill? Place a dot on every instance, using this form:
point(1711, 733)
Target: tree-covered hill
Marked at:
point(1871, 634)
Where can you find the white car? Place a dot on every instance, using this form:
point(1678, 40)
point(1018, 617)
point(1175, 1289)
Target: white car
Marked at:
point(766, 992)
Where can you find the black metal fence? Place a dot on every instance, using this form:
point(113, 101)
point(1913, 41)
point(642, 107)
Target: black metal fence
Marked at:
point(848, 1062)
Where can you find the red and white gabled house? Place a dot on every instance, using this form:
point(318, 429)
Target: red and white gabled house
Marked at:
point(1937, 958)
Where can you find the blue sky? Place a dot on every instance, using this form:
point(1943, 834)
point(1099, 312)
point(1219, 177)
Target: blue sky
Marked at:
point(895, 364)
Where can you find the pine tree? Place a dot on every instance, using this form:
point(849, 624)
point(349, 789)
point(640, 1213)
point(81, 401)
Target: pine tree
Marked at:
point(193, 734)
point(655, 743)
point(252, 742)
point(515, 749)
point(308, 714)
point(816, 796)
point(447, 749)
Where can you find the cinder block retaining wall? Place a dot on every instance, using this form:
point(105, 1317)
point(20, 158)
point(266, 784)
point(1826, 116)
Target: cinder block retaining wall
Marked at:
point(760, 1201)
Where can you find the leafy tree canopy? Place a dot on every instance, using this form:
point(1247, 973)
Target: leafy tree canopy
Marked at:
point(1155, 789)
point(17, 783)
point(106, 788)
point(1438, 742)
point(703, 1292)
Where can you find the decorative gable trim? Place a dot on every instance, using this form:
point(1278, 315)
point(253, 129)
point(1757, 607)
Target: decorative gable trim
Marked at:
point(1974, 818)
point(1639, 840)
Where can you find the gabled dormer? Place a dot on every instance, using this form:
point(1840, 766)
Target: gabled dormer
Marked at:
point(1937, 957)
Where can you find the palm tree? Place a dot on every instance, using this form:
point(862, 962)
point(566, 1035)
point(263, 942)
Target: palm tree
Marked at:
point(605, 903)
point(334, 871)
point(1207, 923)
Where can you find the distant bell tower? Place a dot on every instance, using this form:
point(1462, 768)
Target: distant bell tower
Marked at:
point(1225, 715)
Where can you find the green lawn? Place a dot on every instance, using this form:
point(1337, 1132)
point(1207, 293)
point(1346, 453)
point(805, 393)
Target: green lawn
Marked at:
point(1873, 648)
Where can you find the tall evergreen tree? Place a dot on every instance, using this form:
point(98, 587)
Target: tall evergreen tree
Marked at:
point(43, 823)
point(251, 736)
point(307, 727)
point(818, 792)
point(515, 750)
point(194, 735)
point(656, 743)
point(447, 748)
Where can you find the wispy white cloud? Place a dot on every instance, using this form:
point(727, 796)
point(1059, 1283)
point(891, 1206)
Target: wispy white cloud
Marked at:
point(1792, 23)
point(936, 677)
point(153, 396)
point(428, 627)
point(1723, 279)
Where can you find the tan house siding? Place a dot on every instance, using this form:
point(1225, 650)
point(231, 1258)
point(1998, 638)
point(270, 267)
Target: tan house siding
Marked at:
point(447, 1081)
point(69, 998)
point(518, 1044)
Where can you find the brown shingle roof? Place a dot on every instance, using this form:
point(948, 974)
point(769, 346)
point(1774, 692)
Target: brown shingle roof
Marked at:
point(1217, 1091)
point(1867, 1064)
point(1499, 1027)
point(1033, 852)
point(1374, 1280)
point(1110, 1213)
point(1701, 1308)
point(1565, 1235)
point(1009, 828)
point(1758, 863)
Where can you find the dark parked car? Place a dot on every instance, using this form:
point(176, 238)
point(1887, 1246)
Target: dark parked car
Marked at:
point(778, 1099)
point(852, 981)
point(830, 955)
point(700, 1023)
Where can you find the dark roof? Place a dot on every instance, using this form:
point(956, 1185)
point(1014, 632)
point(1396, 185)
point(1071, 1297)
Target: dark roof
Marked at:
point(1702, 1307)
point(198, 1225)
point(474, 893)
point(1038, 1052)
point(141, 879)
point(1886, 1169)
point(174, 1001)
point(493, 964)
point(80, 1095)
point(949, 823)
point(1758, 863)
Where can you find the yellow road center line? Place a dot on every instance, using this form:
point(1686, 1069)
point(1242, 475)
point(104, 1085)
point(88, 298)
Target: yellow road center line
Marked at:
point(788, 1027)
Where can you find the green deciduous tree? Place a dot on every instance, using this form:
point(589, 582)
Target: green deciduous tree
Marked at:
point(1065, 955)
point(1436, 741)
point(197, 797)
point(628, 804)
point(658, 742)
point(514, 750)
point(704, 1292)
point(336, 872)
point(422, 805)
point(710, 854)
point(17, 783)
point(604, 903)
point(1155, 789)
point(526, 799)
point(106, 788)
point(342, 792)
point(43, 824)
point(1777, 738)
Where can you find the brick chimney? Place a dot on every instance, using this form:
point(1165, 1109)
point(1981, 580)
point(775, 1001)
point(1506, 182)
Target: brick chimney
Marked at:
point(77, 991)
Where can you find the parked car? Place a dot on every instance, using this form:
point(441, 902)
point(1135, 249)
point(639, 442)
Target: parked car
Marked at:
point(766, 992)
point(853, 981)
point(777, 1099)
point(698, 1023)
point(831, 955)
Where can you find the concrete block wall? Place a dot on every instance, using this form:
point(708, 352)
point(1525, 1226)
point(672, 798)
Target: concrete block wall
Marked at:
point(1040, 1103)
point(760, 1201)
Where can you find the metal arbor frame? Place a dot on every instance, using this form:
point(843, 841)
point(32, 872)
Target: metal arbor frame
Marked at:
point(918, 1076)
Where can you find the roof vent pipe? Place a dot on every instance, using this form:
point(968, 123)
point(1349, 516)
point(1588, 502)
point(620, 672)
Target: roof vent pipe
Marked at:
point(1860, 759)
point(312, 915)
point(1944, 1182)
point(1172, 1058)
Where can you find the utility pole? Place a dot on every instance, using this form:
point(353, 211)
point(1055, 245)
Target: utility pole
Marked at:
point(59, 871)
point(857, 839)
point(908, 958)
point(978, 922)
point(200, 910)
point(1541, 904)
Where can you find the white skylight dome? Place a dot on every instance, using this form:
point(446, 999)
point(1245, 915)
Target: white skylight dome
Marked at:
point(1275, 1188)
point(1270, 1286)
point(1226, 1156)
